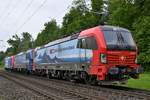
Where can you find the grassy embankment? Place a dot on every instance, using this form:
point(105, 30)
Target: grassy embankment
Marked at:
point(142, 83)
point(1, 67)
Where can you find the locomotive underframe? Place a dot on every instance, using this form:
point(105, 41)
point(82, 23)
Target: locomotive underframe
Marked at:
point(76, 72)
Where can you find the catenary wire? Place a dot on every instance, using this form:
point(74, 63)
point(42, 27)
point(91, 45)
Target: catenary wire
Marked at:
point(10, 12)
point(30, 17)
point(20, 16)
point(6, 8)
point(24, 10)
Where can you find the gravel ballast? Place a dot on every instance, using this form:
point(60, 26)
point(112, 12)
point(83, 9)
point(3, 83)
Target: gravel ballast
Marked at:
point(13, 91)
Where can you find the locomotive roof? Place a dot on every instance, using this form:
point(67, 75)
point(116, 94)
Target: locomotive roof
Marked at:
point(21, 53)
point(108, 27)
point(57, 41)
point(74, 36)
point(29, 50)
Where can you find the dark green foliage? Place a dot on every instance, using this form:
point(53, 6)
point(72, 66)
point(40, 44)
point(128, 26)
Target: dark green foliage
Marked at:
point(74, 20)
point(80, 17)
point(122, 13)
point(97, 6)
point(10, 51)
point(19, 44)
point(142, 35)
point(15, 43)
point(2, 55)
point(48, 34)
point(26, 42)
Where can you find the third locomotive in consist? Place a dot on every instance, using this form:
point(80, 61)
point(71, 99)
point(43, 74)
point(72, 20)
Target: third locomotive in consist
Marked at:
point(103, 54)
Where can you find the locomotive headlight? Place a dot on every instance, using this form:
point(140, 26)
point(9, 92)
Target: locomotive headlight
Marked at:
point(136, 60)
point(103, 58)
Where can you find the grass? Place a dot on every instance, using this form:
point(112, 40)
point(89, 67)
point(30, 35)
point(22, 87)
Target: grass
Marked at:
point(142, 83)
point(1, 67)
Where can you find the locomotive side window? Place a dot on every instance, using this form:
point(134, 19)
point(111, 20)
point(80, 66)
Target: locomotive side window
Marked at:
point(87, 43)
point(79, 44)
point(27, 55)
point(91, 43)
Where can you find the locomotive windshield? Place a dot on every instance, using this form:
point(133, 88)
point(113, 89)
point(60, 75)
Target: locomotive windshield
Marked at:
point(119, 40)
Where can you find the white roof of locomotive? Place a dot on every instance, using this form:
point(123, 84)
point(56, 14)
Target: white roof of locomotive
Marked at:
point(57, 41)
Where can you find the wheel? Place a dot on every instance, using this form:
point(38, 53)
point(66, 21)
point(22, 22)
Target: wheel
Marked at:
point(93, 80)
point(50, 75)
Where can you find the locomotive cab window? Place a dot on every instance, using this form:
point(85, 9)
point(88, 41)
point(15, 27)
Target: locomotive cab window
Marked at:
point(87, 43)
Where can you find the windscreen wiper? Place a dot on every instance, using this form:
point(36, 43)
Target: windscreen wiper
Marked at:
point(121, 42)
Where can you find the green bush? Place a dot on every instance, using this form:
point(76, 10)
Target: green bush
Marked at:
point(142, 36)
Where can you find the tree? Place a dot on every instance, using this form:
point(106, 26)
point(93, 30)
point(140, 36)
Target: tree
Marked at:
point(2, 55)
point(142, 30)
point(26, 42)
point(9, 51)
point(122, 13)
point(15, 43)
point(49, 33)
point(73, 20)
point(20, 44)
point(97, 6)
point(80, 17)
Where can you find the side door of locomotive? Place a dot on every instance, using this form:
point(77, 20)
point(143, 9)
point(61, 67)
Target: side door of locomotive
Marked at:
point(82, 51)
point(86, 45)
point(29, 60)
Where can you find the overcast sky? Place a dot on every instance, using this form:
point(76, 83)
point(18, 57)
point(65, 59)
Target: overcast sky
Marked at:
point(28, 16)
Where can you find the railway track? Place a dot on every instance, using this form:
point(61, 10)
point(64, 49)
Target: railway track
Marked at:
point(48, 89)
point(29, 86)
point(85, 92)
point(110, 92)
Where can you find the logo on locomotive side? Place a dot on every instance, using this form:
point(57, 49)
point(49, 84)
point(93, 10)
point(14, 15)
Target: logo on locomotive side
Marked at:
point(61, 49)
